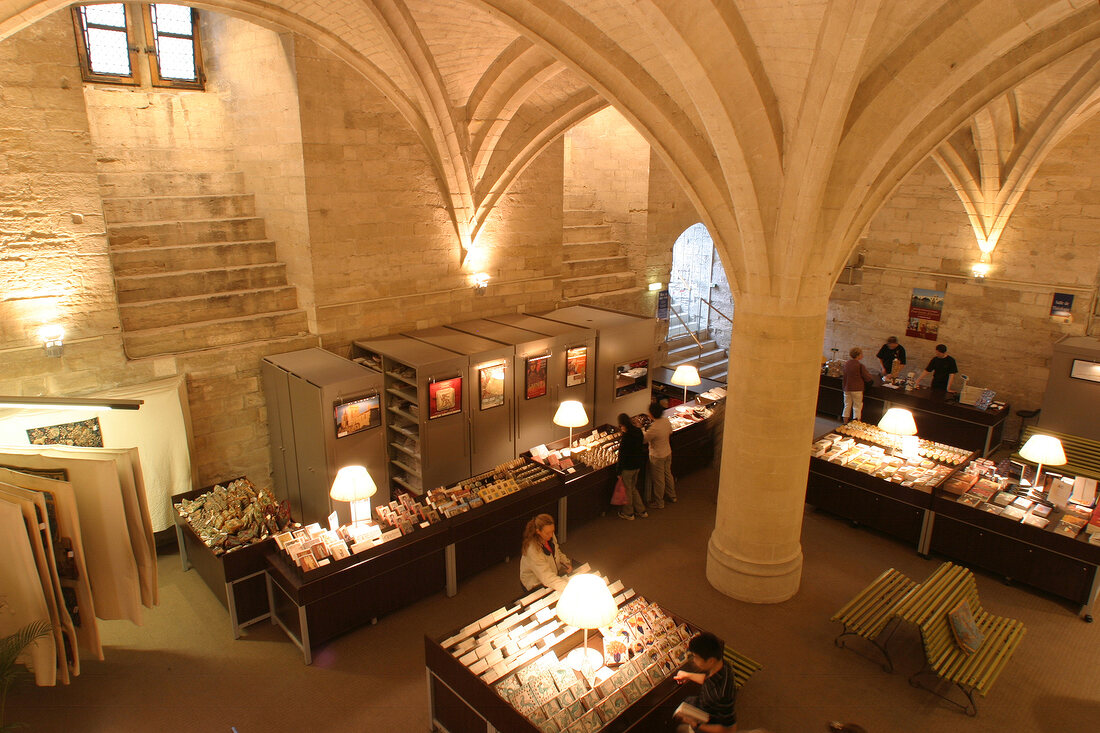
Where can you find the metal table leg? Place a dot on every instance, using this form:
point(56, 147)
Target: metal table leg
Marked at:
point(562, 528)
point(451, 570)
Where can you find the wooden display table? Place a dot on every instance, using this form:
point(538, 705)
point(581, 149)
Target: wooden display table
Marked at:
point(938, 415)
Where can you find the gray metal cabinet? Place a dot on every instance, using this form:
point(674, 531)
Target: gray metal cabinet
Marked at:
point(306, 392)
point(489, 425)
point(418, 378)
point(533, 336)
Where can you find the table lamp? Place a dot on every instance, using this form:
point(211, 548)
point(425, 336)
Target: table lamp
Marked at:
point(899, 421)
point(587, 604)
point(1043, 449)
point(354, 485)
point(571, 415)
point(686, 376)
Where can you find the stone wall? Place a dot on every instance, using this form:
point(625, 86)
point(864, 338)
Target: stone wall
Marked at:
point(999, 330)
point(386, 257)
point(251, 70)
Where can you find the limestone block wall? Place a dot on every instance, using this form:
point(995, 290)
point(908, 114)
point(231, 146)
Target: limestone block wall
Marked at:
point(251, 70)
point(385, 254)
point(999, 330)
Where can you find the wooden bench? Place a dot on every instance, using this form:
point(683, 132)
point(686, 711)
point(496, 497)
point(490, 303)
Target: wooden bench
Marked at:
point(928, 605)
point(872, 609)
point(742, 666)
point(1082, 454)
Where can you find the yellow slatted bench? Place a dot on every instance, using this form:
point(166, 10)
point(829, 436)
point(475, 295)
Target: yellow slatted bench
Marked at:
point(742, 666)
point(928, 606)
point(1082, 454)
point(872, 609)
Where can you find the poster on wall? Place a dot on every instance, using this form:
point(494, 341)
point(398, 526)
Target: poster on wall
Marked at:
point(444, 397)
point(535, 376)
point(357, 414)
point(1061, 308)
point(925, 309)
point(576, 366)
point(662, 305)
point(491, 385)
point(85, 433)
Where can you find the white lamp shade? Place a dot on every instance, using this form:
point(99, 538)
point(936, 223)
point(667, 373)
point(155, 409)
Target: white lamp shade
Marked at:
point(686, 376)
point(571, 414)
point(353, 483)
point(1045, 449)
point(898, 421)
point(586, 602)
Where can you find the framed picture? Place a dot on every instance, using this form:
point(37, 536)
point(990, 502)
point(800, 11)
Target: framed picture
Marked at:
point(356, 414)
point(444, 397)
point(576, 366)
point(535, 375)
point(490, 378)
point(631, 377)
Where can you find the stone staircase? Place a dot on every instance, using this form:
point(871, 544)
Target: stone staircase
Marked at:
point(595, 270)
point(193, 267)
point(712, 363)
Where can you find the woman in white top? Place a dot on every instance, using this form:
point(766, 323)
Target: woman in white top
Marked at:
point(542, 562)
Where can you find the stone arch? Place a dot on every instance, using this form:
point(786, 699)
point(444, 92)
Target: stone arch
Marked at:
point(698, 275)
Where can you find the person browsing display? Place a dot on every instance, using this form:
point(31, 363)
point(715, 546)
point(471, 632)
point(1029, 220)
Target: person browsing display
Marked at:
point(717, 693)
point(541, 560)
point(892, 357)
point(942, 368)
point(631, 458)
point(856, 378)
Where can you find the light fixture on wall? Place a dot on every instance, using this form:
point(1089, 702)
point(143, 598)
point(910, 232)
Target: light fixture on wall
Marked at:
point(981, 268)
point(653, 287)
point(69, 403)
point(481, 281)
point(53, 338)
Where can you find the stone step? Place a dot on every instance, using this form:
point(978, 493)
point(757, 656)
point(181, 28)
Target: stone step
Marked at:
point(585, 233)
point(214, 334)
point(131, 210)
point(188, 159)
point(595, 266)
point(140, 288)
point(581, 217)
point(206, 307)
point(590, 250)
point(685, 339)
point(170, 183)
point(690, 351)
point(169, 233)
point(677, 329)
point(587, 285)
point(159, 260)
point(718, 371)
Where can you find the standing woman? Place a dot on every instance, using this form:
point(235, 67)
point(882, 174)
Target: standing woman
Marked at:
point(631, 458)
point(541, 560)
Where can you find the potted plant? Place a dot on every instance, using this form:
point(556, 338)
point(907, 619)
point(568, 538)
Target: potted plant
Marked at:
point(10, 649)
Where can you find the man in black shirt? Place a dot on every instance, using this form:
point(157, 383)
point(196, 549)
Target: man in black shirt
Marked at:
point(941, 367)
point(891, 356)
point(631, 456)
point(718, 693)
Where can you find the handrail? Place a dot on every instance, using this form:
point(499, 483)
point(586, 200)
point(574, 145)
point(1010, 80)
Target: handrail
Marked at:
point(709, 305)
point(672, 310)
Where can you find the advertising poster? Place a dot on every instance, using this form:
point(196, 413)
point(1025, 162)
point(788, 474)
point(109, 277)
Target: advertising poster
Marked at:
point(444, 397)
point(1061, 308)
point(491, 385)
point(576, 365)
point(535, 376)
point(358, 414)
point(925, 309)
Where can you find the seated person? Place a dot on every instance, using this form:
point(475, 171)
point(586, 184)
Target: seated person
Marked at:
point(541, 560)
point(718, 692)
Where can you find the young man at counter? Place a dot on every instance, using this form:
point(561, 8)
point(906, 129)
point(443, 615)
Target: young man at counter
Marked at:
point(660, 457)
point(892, 357)
point(941, 367)
point(718, 693)
point(856, 377)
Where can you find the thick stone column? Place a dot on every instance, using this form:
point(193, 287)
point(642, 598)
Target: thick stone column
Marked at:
point(754, 553)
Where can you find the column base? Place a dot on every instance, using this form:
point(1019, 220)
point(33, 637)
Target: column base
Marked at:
point(751, 581)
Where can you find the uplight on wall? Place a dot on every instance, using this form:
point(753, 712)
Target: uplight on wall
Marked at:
point(481, 281)
point(981, 268)
point(53, 337)
point(653, 287)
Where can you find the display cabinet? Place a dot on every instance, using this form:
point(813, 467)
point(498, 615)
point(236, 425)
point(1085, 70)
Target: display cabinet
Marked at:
point(323, 413)
point(425, 408)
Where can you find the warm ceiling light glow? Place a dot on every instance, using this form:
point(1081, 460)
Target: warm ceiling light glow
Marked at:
point(656, 286)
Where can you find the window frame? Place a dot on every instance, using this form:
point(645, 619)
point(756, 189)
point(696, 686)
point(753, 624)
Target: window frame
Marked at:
point(153, 54)
point(85, 58)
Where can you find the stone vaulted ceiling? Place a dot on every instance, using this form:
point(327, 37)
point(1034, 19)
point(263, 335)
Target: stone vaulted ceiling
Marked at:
point(788, 123)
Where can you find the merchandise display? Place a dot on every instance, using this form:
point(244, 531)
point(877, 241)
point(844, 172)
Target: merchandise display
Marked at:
point(689, 414)
point(598, 449)
point(922, 474)
point(403, 426)
point(947, 454)
point(512, 650)
point(235, 515)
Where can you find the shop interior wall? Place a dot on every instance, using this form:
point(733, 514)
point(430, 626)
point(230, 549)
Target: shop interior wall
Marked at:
point(250, 69)
point(999, 330)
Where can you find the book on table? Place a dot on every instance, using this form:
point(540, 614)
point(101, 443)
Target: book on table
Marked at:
point(688, 711)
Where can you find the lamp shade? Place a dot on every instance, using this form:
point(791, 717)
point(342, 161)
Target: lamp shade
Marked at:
point(1045, 449)
point(898, 421)
point(686, 376)
point(586, 602)
point(352, 483)
point(571, 414)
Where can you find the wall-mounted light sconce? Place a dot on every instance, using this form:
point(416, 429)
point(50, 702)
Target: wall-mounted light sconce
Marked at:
point(481, 281)
point(981, 268)
point(53, 337)
point(653, 287)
